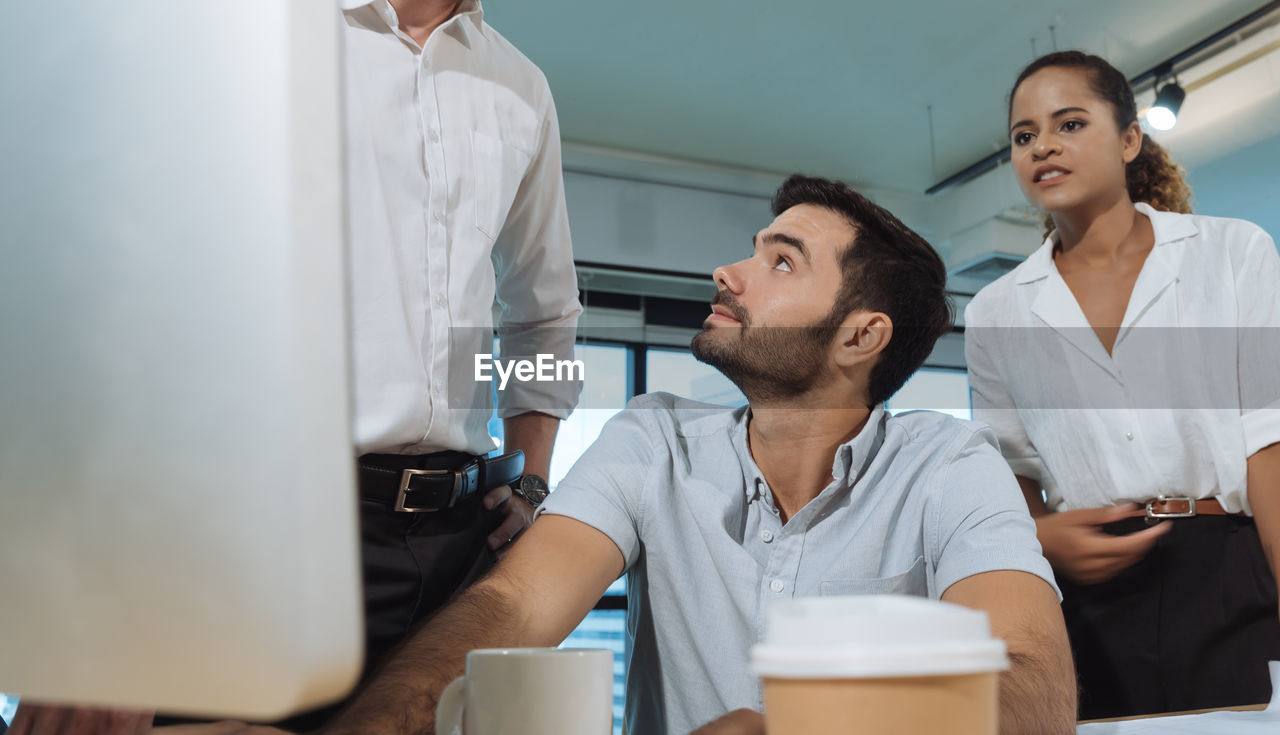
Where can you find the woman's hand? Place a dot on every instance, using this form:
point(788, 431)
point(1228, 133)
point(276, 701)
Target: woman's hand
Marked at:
point(1075, 545)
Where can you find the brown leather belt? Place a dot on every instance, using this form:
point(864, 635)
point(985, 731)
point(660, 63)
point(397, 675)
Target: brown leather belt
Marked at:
point(1183, 507)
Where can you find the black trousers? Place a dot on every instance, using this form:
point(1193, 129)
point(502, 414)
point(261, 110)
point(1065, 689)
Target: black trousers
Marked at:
point(412, 565)
point(1191, 626)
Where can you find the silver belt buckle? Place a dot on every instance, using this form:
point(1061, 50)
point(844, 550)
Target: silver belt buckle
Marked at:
point(1190, 513)
point(406, 475)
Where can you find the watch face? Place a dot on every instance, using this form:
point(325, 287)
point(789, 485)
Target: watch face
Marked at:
point(534, 489)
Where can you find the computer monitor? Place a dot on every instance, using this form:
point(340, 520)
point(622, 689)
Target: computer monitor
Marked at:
point(177, 506)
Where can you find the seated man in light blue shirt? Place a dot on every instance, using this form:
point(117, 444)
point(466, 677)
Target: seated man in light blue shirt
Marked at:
point(812, 489)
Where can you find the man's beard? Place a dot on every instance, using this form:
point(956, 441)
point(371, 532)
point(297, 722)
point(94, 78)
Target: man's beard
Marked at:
point(767, 363)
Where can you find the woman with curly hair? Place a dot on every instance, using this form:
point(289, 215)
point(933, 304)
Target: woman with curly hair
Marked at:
point(1129, 367)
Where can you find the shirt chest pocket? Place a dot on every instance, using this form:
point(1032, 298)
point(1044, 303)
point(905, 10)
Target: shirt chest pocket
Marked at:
point(496, 172)
point(911, 582)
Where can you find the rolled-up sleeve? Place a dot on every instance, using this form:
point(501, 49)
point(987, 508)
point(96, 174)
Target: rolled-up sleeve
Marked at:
point(992, 403)
point(604, 489)
point(537, 287)
point(978, 521)
point(1258, 310)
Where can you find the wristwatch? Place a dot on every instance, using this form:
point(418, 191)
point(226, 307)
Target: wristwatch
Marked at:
point(532, 488)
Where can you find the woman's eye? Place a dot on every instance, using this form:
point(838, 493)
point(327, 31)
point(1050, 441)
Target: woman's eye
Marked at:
point(1022, 138)
point(782, 265)
point(1072, 125)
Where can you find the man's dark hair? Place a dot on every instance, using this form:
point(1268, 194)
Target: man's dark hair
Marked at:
point(887, 268)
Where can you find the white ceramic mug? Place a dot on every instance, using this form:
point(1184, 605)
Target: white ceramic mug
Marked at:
point(530, 691)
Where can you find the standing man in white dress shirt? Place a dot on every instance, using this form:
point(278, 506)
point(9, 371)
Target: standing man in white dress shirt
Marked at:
point(455, 196)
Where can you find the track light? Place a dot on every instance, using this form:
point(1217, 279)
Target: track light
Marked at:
point(1163, 114)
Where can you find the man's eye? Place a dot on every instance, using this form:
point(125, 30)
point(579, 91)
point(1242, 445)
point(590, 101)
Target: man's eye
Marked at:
point(782, 265)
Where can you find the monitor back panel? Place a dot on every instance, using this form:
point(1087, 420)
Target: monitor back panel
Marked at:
point(177, 516)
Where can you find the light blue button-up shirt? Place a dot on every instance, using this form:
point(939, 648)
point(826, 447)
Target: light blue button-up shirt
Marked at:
point(918, 502)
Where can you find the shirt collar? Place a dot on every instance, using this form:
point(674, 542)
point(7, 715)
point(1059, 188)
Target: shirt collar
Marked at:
point(853, 456)
point(850, 461)
point(1167, 226)
point(468, 7)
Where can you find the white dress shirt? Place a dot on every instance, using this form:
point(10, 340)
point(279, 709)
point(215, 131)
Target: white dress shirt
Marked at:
point(455, 195)
point(1189, 392)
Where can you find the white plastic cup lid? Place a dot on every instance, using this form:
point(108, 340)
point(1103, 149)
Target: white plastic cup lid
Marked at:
point(867, 636)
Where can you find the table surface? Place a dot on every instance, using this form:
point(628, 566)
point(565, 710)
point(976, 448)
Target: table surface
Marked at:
point(1238, 708)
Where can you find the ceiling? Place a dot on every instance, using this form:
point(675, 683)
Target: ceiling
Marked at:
point(839, 89)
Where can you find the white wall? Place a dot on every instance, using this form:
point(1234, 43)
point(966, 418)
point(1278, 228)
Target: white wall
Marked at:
point(638, 224)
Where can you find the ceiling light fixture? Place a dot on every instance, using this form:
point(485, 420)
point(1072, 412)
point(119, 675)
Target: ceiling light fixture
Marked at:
point(1163, 114)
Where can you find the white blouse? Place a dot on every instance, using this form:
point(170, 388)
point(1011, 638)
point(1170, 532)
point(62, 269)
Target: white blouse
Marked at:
point(1189, 392)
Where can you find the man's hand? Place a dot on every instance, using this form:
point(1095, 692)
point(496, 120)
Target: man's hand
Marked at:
point(517, 515)
point(1074, 544)
point(737, 722)
point(35, 719)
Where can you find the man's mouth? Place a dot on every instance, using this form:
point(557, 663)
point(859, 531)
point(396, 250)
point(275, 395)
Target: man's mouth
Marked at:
point(725, 308)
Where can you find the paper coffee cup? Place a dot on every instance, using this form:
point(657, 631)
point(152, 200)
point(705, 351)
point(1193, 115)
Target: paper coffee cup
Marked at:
point(878, 664)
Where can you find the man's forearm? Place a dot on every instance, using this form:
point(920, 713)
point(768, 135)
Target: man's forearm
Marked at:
point(1038, 695)
point(401, 697)
point(1038, 692)
point(535, 433)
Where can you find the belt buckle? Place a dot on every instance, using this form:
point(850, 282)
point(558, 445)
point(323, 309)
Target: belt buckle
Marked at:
point(407, 475)
point(1190, 513)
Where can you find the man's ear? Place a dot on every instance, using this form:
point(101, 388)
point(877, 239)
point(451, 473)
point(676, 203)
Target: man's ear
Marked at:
point(861, 336)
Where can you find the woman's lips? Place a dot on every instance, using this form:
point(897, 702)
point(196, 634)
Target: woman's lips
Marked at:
point(1049, 176)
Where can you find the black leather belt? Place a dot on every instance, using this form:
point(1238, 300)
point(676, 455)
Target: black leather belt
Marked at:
point(411, 490)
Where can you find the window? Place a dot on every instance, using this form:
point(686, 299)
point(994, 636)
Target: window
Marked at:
point(935, 389)
point(605, 392)
point(679, 372)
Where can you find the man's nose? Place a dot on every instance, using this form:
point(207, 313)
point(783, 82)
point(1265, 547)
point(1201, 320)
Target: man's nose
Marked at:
point(728, 277)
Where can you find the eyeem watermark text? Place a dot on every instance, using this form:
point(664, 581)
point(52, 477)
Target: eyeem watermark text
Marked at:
point(543, 369)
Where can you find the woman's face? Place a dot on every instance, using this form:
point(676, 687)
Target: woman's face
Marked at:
point(1066, 150)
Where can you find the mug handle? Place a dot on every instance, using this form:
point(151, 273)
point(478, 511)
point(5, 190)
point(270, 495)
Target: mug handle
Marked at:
point(449, 708)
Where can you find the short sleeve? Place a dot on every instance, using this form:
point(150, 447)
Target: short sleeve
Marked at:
point(994, 406)
point(1258, 312)
point(603, 489)
point(979, 520)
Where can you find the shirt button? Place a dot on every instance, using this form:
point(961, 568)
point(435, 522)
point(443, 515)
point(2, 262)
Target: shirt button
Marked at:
point(776, 585)
point(439, 299)
point(766, 536)
point(433, 136)
point(1128, 435)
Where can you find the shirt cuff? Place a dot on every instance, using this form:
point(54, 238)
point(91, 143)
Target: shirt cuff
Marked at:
point(605, 520)
point(1261, 429)
point(955, 568)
